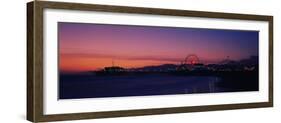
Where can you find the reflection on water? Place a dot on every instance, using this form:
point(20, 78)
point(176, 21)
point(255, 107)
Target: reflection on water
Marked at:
point(90, 86)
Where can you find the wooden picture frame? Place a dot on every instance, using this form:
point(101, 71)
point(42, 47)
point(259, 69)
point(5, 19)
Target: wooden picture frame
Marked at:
point(35, 62)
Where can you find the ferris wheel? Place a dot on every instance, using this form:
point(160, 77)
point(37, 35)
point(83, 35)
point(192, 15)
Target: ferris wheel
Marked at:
point(191, 59)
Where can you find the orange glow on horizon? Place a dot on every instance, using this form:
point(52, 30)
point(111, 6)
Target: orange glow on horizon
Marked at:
point(70, 64)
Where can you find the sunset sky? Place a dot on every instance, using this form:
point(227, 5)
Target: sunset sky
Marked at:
point(86, 47)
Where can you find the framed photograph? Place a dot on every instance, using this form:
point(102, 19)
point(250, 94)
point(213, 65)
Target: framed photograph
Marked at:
point(90, 61)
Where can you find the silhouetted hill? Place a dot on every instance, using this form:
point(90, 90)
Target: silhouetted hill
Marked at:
point(253, 60)
point(157, 68)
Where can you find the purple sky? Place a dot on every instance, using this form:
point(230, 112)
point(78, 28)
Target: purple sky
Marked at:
point(92, 46)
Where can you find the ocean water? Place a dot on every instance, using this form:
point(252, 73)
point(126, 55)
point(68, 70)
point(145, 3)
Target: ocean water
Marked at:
point(92, 86)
